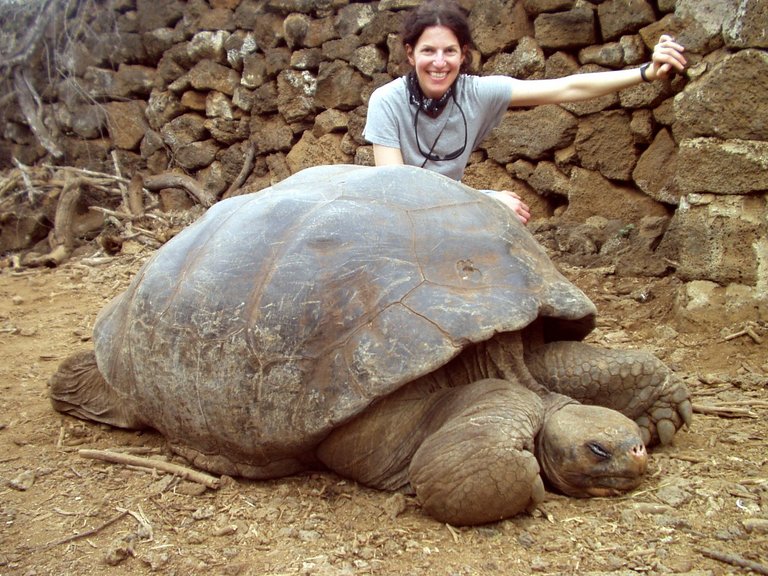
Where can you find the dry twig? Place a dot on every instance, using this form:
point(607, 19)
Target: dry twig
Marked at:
point(85, 534)
point(65, 186)
point(735, 560)
point(63, 227)
point(32, 38)
point(724, 411)
point(10, 181)
point(146, 531)
point(171, 468)
point(120, 184)
point(86, 172)
point(748, 331)
point(32, 191)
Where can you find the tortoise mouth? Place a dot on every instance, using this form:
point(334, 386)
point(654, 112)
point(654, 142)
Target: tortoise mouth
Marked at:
point(581, 485)
point(605, 492)
point(614, 485)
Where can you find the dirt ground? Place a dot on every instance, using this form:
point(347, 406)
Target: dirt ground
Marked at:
point(703, 508)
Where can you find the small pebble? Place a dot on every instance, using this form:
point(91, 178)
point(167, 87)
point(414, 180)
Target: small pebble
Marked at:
point(673, 496)
point(756, 525)
point(309, 535)
point(23, 481)
point(190, 489)
point(395, 505)
point(118, 553)
point(119, 550)
point(194, 537)
point(526, 540)
point(203, 513)
point(227, 530)
point(648, 508)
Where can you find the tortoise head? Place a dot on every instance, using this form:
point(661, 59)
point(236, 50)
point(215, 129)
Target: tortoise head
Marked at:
point(591, 451)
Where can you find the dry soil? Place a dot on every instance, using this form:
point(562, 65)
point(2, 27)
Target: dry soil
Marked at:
point(703, 508)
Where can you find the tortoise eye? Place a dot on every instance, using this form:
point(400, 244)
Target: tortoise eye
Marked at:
point(598, 450)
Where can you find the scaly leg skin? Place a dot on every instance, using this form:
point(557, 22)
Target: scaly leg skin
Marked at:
point(634, 382)
point(467, 452)
point(78, 389)
point(256, 467)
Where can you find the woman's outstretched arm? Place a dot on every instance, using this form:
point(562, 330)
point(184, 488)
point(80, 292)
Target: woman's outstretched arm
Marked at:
point(667, 56)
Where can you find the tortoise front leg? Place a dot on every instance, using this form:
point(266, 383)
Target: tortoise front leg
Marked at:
point(633, 382)
point(480, 466)
point(467, 452)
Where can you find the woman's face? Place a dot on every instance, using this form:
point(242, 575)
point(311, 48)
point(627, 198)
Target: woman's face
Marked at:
point(437, 59)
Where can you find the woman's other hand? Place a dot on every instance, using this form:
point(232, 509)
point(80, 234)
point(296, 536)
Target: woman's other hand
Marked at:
point(512, 201)
point(667, 57)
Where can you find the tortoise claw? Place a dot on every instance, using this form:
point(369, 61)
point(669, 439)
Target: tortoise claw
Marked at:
point(685, 408)
point(645, 430)
point(666, 430)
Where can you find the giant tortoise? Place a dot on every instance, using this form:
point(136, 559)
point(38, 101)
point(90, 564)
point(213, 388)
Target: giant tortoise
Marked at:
point(388, 324)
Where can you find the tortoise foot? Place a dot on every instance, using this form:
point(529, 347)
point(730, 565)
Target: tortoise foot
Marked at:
point(77, 388)
point(480, 466)
point(670, 411)
point(491, 483)
point(633, 382)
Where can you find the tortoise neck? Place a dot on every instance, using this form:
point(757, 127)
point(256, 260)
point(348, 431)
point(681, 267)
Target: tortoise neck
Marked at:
point(507, 353)
point(501, 357)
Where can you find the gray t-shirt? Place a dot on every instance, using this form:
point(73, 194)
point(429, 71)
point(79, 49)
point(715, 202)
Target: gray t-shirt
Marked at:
point(480, 104)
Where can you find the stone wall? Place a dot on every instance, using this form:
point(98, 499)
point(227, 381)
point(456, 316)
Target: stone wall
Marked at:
point(672, 173)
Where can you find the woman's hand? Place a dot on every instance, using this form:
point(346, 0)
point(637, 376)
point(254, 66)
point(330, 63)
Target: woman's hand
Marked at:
point(513, 201)
point(667, 57)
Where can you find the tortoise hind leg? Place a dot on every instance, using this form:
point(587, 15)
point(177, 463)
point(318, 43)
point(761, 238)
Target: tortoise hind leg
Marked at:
point(633, 382)
point(78, 389)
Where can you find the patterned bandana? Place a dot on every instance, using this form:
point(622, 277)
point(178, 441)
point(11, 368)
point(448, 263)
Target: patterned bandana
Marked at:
point(432, 107)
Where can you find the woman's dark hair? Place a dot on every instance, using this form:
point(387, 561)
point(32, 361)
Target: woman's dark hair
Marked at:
point(446, 13)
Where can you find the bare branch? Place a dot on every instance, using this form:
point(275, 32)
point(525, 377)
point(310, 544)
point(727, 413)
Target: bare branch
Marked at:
point(174, 180)
point(134, 195)
point(31, 39)
point(32, 108)
point(244, 172)
point(63, 231)
point(65, 212)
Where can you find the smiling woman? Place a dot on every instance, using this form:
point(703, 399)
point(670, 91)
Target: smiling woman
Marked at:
point(439, 113)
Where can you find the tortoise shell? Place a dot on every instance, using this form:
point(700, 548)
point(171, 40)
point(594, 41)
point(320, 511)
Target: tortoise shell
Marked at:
point(281, 314)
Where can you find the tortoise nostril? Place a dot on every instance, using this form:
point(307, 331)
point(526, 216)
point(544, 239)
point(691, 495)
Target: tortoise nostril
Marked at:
point(639, 452)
